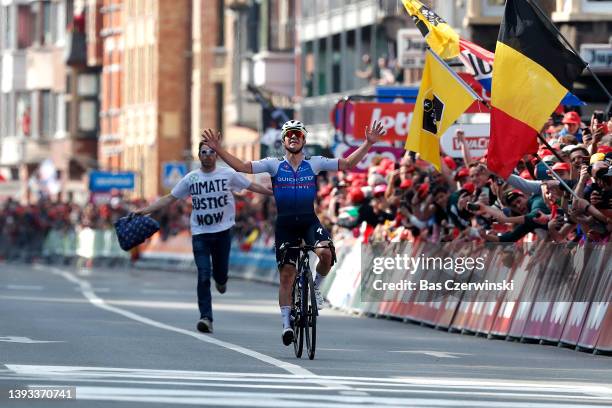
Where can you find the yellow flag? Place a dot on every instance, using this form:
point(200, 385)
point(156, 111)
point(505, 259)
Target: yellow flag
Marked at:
point(442, 98)
point(440, 37)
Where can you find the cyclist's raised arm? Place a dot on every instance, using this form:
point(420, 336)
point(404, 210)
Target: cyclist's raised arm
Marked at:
point(372, 136)
point(234, 162)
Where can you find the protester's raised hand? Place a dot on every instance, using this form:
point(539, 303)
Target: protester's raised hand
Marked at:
point(211, 139)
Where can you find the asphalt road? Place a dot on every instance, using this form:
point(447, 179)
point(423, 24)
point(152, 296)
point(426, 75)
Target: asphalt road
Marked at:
point(127, 338)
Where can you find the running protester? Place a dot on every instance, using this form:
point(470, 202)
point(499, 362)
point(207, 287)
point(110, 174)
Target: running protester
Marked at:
point(212, 217)
point(295, 188)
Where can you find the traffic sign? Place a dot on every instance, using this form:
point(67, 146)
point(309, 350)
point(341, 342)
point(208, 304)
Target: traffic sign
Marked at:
point(102, 181)
point(172, 173)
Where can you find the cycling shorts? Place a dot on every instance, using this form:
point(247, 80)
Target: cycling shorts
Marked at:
point(291, 230)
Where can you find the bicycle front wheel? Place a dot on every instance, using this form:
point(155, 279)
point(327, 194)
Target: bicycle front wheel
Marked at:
point(310, 318)
point(297, 318)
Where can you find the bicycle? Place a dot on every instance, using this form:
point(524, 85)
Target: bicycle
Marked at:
point(304, 310)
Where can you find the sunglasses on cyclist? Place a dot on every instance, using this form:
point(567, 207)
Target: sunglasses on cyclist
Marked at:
point(295, 133)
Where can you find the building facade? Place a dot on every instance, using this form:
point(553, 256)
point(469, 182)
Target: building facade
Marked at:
point(33, 125)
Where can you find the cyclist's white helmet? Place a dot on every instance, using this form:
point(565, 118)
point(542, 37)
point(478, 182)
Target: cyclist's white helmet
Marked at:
point(293, 125)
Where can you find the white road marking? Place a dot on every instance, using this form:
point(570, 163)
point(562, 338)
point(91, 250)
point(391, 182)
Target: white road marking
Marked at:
point(24, 287)
point(100, 303)
point(276, 399)
point(140, 385)
point(432, 353)
point(25, 340)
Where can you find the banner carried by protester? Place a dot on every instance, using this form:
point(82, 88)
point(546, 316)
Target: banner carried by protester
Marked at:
point(440, 36)
point(532, 73)
point(442, 98)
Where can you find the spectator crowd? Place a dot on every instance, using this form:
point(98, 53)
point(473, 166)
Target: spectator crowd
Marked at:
point(403, 201)
point(410, 200)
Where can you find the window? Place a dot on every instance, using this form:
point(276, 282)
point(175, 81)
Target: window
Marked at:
point(493, 7)
point(47, 118)
point(8, 27)
point(281, 17)
point(48, 24)
point(24, 114)
point(221, 23)
point(4, 115)
point(596, 6)
point(87, 85)
point(219, 106)
point(25, 26)
point(88, 116)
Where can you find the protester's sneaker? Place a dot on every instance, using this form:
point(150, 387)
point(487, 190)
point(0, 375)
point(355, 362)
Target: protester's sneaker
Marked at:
point(205, 325)
point(287, 336)
point(221, 288)
point(319, 297)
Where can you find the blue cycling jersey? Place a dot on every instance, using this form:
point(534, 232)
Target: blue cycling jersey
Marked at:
point(295, 190)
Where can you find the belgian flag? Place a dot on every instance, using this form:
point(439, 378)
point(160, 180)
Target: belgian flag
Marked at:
point(532, 72)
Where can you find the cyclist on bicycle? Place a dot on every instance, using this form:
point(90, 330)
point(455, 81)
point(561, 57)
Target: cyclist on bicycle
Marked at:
point(295, 188)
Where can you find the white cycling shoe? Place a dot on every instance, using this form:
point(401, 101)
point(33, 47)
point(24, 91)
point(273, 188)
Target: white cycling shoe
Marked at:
point(319, 298)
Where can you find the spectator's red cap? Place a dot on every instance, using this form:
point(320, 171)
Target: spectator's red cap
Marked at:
point(423, 190)
point(387, 163)
point(544, 153)
point(572, 118)
point(356, 195)
point(463, 172)
point(380, 190)
point(406, 184)
point(469, 187)
point(561, 167)
point(526, 175)
point(450, 163)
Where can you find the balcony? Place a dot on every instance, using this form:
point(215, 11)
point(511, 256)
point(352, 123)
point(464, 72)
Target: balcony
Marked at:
point(275, 71)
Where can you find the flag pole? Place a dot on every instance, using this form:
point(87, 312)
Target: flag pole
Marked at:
point(555, 175)
point(549, 147)
point(588, 67)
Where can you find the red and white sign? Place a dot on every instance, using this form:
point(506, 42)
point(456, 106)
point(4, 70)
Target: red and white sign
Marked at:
point(476, 137)
point(395, 118)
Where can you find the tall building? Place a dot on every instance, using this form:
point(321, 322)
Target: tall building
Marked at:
point(245, 61)
point(143, 50)
point(333, 37)
point(32, 99)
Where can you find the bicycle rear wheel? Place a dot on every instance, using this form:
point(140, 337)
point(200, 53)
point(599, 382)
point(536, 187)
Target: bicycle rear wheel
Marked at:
point(297, 318)
point(310, 318)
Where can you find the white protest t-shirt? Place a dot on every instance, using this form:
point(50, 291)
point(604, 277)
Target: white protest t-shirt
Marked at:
point(213, 207)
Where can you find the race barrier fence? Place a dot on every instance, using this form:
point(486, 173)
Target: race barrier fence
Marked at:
point(558, 302)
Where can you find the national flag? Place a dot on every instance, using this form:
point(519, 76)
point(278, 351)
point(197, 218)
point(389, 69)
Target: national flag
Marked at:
point(532, 72)
point(442, 98)
point(440, 36)
point(479, 63)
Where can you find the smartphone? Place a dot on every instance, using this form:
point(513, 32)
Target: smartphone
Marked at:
point(473, 207)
